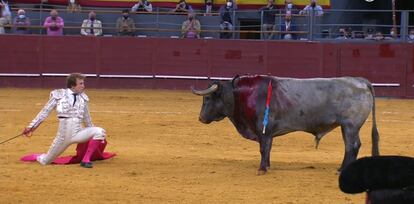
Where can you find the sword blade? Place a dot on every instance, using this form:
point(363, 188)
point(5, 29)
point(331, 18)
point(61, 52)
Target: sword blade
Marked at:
point(12, 138)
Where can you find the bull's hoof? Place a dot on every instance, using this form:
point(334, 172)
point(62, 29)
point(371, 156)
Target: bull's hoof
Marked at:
point(261, 172)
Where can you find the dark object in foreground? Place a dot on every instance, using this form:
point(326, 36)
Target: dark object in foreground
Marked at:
point(387, 179)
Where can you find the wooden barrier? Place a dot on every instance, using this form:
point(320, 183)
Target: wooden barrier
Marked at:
point(131, 62)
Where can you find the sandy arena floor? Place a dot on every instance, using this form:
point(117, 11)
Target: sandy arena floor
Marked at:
point(166, 156)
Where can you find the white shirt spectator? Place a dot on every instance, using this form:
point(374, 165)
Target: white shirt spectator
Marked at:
point(317, 9)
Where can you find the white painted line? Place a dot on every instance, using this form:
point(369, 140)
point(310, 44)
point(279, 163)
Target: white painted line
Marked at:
point(138, 112)
point(180, 77)
point(221, 78)
point(18, 74)
point(386, 84)
point(126, 76)
point(63, 74)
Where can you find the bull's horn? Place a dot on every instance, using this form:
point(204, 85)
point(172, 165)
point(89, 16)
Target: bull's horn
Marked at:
point(204, 92)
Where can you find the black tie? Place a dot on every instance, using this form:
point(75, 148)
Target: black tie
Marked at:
point(74, 98)
point(92, 32)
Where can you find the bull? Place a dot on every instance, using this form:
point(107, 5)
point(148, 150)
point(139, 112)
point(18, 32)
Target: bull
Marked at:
point(316, 106)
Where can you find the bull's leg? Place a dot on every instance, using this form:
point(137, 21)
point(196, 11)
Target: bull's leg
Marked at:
point(270, 149)
point(350, 135)
point(265, 147)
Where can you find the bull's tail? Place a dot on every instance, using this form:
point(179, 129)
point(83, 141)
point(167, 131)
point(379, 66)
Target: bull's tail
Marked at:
point(374, 134)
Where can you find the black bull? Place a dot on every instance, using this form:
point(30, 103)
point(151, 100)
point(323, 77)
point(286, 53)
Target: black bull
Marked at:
point(316, 106)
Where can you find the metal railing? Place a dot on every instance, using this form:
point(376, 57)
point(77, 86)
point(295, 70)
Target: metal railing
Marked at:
point(333, 25)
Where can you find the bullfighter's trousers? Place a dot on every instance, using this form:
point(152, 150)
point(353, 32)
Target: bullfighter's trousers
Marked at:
point(70, 131)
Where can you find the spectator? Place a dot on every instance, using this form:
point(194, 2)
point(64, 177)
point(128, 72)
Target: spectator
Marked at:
point(378, 36)
point(313, 6)
point(287, 26)
point(289, 7)
point(209, 7)
point(6, 12)
point(5, 17)
point(268, 16)
point(226, 13)
point(142, 5)
point(21, 23)
point(370, 34)
point(393, 34)
point(343, 35)
point(91, 26)
point(182, 6)
point(191, 27)
point(411, 36)
point(54, 24)
point(125, 24)
point(74, 6)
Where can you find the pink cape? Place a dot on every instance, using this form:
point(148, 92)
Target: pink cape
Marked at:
point(99, 154)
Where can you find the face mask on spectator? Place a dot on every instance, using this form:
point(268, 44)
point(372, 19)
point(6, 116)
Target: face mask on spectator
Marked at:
point(411, 37)
point(289, 6)
point(229, 4)
point(22, 16)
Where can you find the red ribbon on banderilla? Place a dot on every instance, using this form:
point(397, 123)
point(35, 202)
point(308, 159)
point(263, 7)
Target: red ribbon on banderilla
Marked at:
point(266, 114)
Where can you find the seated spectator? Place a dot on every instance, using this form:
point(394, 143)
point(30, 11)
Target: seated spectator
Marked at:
point(357, 35)
point(343, 35)
point(287, 26)
point(369, 34)
point(125, 24)
point(393, 34)
point(208, 7)
point(313, 6)
point(182, 6)
point(268, 16)
point(191, 27)
point(289, 7)
point(74, 6)
point(142, 5)
point(21, 23)
point(226, 14)
point(411, 36)
point(91, 26)
point(378, 36)
point(54, 24)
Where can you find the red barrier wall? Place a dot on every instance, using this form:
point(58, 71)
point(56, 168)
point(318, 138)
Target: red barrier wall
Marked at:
point(112, 62)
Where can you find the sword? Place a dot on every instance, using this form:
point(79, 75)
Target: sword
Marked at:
point(11, 138)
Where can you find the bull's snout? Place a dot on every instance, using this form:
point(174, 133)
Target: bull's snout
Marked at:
point(202, 120)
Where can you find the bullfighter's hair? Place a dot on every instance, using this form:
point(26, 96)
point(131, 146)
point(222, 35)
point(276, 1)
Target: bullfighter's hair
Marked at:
point(377, 173)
